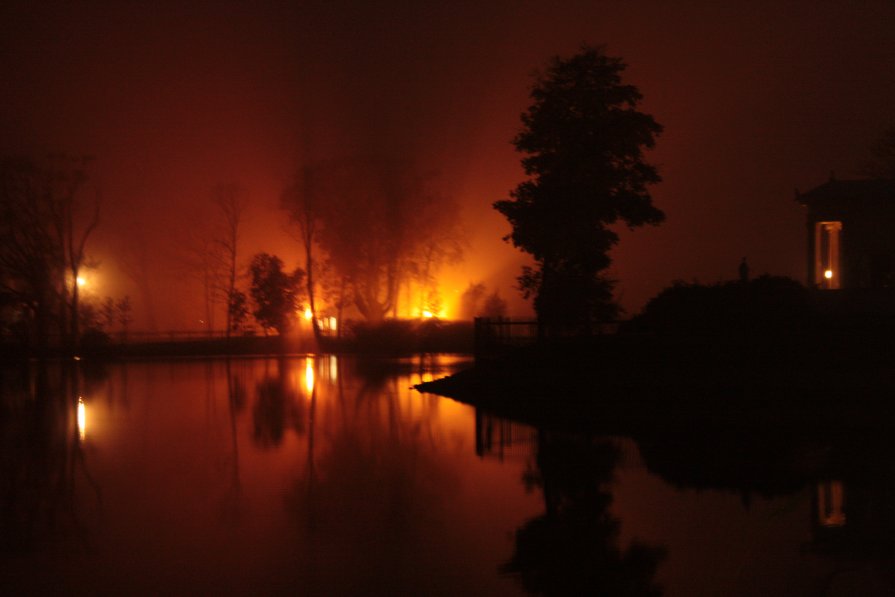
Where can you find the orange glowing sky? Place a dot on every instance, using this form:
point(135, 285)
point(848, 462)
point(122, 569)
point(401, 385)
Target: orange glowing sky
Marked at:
point(756, 99)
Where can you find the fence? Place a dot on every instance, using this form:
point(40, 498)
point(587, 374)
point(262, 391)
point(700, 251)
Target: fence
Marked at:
point(168, 336)
point(496, 335)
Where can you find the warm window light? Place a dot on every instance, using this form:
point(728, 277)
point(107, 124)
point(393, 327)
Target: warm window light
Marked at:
point(333, 367)
point(332, 324)
point(82, 418)
point(828, 274)
point(308, 314)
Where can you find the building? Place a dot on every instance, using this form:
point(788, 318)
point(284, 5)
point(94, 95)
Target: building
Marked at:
point(850, 234)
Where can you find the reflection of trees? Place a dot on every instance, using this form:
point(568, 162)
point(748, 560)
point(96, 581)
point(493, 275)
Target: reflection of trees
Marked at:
point(41, 458)
point(276, 409)
point(236, 400)
point(572, 549)
point(375, 482)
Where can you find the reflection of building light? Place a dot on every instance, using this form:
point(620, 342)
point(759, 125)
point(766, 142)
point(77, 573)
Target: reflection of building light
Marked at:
point(308, 314)
point(831, 503)
point(81, 280)
point(82, 418)
point(828, 274)
point(309, 375)
point(333, 367)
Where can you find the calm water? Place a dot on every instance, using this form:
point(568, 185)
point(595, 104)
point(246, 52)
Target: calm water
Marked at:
point(326, 475)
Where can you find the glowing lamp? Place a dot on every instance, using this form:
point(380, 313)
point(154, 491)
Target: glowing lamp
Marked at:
point(308, 313)
point(82, 418)
point(828, 274)
point(81, 280)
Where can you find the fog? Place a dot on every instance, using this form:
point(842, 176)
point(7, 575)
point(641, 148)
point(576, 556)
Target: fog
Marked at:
point(171, 99)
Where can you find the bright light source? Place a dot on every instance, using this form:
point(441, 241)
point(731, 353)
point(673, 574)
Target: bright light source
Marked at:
point(428, 314)
point(332, 323)
point(308, 313)
point(81, 280)
point(828, 274)
point(82, 419)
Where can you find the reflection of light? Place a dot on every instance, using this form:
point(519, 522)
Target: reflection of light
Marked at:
point(426, 377)
point(308, 313)
point(828, 274)
point(333, 367)
point(831, 503)
point(428, 314)
point(81, 280)
point(309, 376)
point(82, 418)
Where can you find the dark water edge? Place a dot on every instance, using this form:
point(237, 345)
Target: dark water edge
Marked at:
point(766, 431)
point(625, 385)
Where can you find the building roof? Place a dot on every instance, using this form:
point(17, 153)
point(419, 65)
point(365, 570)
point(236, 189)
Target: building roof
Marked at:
point(849, 190)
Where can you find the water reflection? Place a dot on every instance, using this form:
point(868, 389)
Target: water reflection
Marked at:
point(44, 476)
point(573, 547)
point(277, 408)
point(353, 483)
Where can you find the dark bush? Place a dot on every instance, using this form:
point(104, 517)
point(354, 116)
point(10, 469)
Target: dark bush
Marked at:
point(766, 305)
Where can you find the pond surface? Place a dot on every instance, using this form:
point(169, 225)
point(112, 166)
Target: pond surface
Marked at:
point(329, 476)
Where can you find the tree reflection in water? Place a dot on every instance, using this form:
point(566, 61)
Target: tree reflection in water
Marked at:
point(375, 488)
point(572, 549)
point(276, 408)
point(42, 456)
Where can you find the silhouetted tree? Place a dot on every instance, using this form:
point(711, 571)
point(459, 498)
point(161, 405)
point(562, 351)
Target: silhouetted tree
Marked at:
point(229, 198)
point(384, 225)
point(238, 310)
point(31, 255)
point(125, 314)
point(470, 299)
point(44, 228)
point(303, 200)
point(274, 292)
point(74, 228)
point(583, 140)
point(494, 306)
point(107, 313)
point(202, 258)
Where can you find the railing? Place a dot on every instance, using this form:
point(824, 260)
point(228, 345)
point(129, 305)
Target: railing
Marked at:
point(496, 335)
point(169, 336)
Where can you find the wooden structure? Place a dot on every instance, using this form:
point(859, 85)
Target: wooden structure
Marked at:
point(850, 227)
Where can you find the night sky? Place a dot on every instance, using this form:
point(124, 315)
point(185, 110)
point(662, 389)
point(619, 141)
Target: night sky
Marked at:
point(757, 99)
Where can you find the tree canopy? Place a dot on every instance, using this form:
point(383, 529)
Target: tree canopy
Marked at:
point(381, 224)
point(274, 292)
point(584, 140)
point(45, 223)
